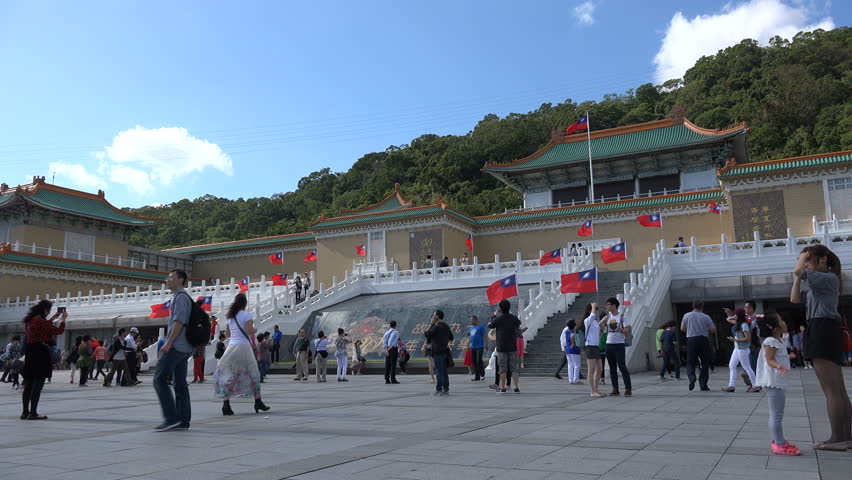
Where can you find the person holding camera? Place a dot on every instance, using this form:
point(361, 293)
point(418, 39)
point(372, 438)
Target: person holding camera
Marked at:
point(37, 364)
point(618, 328)
point(506, 325)
point(440, 335)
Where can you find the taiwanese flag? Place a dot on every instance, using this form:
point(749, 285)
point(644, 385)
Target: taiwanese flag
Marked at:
point(279, 280)
point(161, 311)
point(244, 284)
point(277, 259)
point(311, 256)
point(652, 220)
point(469, 242)
point(581, 124)
point(715, 208)
point(615, 253)
point(554, 256)
point(580, 282)
point(585, 229)
point(627, 303)
point(206, 303)
point(502, 289)
point(361, 250)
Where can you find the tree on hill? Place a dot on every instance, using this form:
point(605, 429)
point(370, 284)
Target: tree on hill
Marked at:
point(795, 95)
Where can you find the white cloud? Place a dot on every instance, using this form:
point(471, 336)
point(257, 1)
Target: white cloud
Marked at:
point(585, 13)
point(688, 40)
point(76, 174)
point(136, 180)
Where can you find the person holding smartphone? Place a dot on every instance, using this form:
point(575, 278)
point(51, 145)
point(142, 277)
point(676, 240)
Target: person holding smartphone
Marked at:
point(37, 364)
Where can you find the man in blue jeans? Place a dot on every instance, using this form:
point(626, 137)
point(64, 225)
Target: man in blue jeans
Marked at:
point(440, 335)
point(177, 411)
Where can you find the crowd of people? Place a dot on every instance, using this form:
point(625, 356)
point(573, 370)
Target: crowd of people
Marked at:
point(762, 347)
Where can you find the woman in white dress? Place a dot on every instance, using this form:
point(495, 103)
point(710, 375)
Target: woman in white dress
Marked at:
point(236, 374)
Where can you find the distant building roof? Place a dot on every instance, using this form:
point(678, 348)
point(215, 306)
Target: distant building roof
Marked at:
point(394, 201)
point(643, 138)
point(795, 163)
point(248, 243)
point(66, 200)
point(8, 255)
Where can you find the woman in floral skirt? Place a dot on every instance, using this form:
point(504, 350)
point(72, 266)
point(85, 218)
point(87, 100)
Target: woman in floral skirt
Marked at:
point(236, 374)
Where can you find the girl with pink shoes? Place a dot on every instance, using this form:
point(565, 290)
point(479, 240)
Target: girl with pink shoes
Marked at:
point(773, 364)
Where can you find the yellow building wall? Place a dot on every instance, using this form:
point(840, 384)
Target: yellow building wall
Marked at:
point(802, 202)
point(113, 248)
point(397, 242)
point(335, 257)
point(454, 246)
point(705, 227)
point(254, 266)
point(43, 237)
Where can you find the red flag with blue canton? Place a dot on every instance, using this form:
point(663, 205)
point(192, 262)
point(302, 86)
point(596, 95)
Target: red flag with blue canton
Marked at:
point(163, 310)
point(580, 282)
point(715, 208)
point(311, 256)
point(206, 303)
point(585, 229)
point(554, 256)
point(279, 280)
point(502, 289)
point(580, 124)
point(244, 284)
point(615, 253)
point(469, 242)
point(361, 250)
point(277, 259)
point(652, 220)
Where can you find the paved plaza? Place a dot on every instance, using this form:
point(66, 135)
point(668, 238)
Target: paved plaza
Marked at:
point(365, 429)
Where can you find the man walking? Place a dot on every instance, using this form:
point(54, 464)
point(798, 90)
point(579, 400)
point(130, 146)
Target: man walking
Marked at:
point(440, 336)
point(177, 411)
point(506, 326)
point(130, 354)
point(478, 344)
point(617, 327)
point(118, 359)
point(276, 343)
point(300, 350)
point(698, 326)
point(389, 342)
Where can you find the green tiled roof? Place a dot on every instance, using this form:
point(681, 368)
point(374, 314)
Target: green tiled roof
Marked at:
point(391, 203)
point(255, 242)
point(6, 198)
point(616, 145)
point(389, 216)
point(88, 207)
point(600, 208)
point(17, 257)
point(789, 164)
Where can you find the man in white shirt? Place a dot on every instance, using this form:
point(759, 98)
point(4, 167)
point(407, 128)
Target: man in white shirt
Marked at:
point(389, 341)
point(130, 355)
point(618, 327)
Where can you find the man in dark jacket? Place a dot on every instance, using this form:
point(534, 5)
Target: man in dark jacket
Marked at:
point(440, 335)
point(506, 326)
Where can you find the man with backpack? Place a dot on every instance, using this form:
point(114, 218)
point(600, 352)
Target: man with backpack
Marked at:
point(177, 411)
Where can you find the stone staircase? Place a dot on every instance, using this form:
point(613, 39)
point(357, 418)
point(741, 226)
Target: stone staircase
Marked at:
point(542, 354)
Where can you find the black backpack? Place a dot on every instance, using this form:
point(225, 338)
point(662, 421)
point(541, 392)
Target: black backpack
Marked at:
point(198, 328)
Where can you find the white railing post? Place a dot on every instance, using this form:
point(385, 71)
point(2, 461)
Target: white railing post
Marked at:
point(540, 254)
point(49, 251)
point(519, 260)
point(692, 249)
point(395, 273)
point(724, 248)
point(826, 238)
point(815, 225)
point(231, 288)
point(321, 289)
point(434, 272)
point(102, 297)
point(521, 312)
point(475, 266)
point(262, 285)
point(835, 223)
point(757, 245)
point(790, 241)
point(413, 271)
point(455, 271)
point(497, 264)
point(124, 297)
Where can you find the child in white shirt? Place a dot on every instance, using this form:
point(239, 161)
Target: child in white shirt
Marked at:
point(773, 364)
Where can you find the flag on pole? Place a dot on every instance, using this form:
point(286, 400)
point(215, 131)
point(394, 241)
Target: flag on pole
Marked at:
point(652, 220)
point(206, 303)
point(626, 303)
point(469, 242)
point(580, 282)
point(580, 124)
point(554, 256)
point(163, 310)
point(311, 256)
point(502, 289)
point(615, 253)
point(279, 280)
point(244, 284)
point(586, 229)
point(715, 208)
point(277, 259)
point(361, 250)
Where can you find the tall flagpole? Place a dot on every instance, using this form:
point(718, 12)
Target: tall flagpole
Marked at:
point(591, 171)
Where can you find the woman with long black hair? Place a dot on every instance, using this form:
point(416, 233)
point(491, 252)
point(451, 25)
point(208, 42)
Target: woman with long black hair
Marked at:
point(37, 364)
point(741, 336)
point(817, 273)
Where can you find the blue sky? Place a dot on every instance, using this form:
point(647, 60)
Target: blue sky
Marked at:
point(158, 101)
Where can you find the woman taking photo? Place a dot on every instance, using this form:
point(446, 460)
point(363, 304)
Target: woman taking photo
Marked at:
point(236, 374)
point(37, 364)
point(817, 273)
point(741, 336)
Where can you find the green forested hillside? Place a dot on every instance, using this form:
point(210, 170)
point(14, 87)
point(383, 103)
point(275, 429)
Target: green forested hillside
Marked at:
point(796, 97)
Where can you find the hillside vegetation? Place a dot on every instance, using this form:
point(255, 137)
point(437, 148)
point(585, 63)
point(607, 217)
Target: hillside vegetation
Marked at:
point(796, 97)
